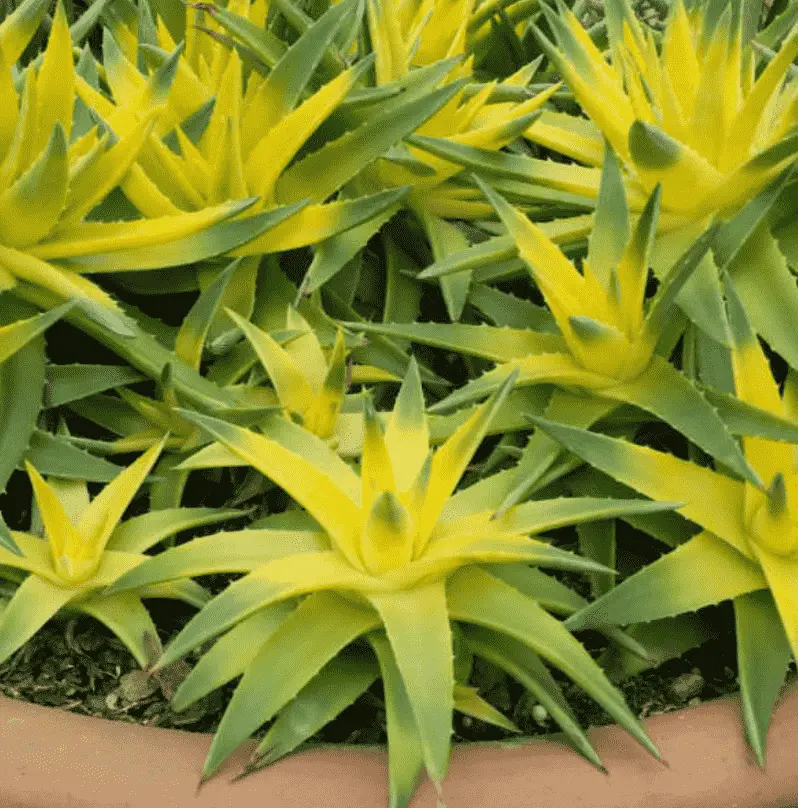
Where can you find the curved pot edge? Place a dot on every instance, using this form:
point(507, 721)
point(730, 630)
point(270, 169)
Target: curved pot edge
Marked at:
point(55, 759)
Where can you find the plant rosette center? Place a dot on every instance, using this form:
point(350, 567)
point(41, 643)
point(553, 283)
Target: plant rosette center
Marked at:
point(611, 354)
point(773, 527)
point(74, 570)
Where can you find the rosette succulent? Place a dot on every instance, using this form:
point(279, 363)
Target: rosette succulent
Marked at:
point(394, 551)
point(747, 551)
point(419, 55)
point(689, 111)
point(410, 39)
point(689, 114)
point(232, 132)
point(242, 201)
point(52, 176)
point(244, 129)
point(611, 344)
point(85, 548)
point(413, 35)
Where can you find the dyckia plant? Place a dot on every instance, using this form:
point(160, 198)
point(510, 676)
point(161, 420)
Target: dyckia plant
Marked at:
point(408, 35)
point(694, 116)
point(309, 384)
point(419, 64)
point(241, 201)
point(252, 129)
point(237, 133)
point(691, 115)
point(606, 351)
point(51, 177)
point(85, 548)
point(395, 550)
point(747, 551)
point(57, 171)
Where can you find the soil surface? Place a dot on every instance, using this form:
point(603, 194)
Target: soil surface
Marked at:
point(77, 665)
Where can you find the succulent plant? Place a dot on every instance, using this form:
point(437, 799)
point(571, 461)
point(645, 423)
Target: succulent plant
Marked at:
point(689, 115)
point(612, 344)
point(712, 151)
point(392, 550)
point(747, 551)
point(427, 34)
point(85, 548)
point(260, 208)
point(235, 132)
point(52, 177)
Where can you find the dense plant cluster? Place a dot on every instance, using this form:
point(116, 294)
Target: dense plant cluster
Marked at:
point(354, 303)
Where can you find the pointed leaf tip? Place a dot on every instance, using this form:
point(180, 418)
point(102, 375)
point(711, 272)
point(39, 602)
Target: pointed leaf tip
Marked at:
point(777, 495)
point(651, 147)
point(7, 540)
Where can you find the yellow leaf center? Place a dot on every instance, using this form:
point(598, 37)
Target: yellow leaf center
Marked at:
point(772, 527)
point(388, 533)
point(74, 571)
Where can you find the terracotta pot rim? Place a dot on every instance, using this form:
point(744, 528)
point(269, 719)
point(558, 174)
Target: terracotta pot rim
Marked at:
point(55, 759)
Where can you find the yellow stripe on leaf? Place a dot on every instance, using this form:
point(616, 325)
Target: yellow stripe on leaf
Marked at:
point(305, 349)
point(36, 556)
point(574, 137)
point(680, 60)
point(748, 121)
point(15, 336)
point(686, 177)
point(59, 530)
point(322, 416)
point(187, 93)
point(289, 381)
point(227, 173)
point(92, 238)
point(20, 152)
point(196, 165)
point(407, 434)
point(106, 510)
point(275, 150)
point(451, 460)
point(145, 195)
point(715, 105)
point(96, 101)
point(376, 469)
point(62, 282)
point(713, 500)
point(754, 384)
point(390, 47)
point(9, 110)
point(32, 206)
point(387, 538)
point(88, 187)
point(18, 28)
point(122, 77)
point(55, 83)
point(319, 494)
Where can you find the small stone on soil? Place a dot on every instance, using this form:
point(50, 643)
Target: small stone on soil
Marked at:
point(540, 714)
point(136, 686)
point(687, 686)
